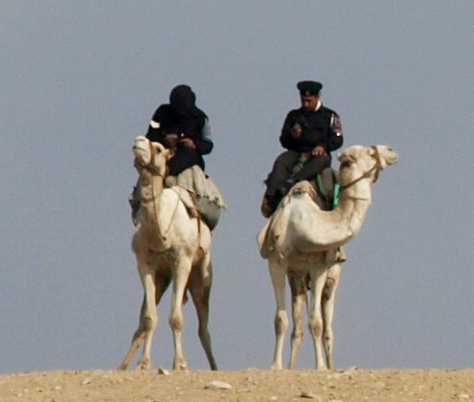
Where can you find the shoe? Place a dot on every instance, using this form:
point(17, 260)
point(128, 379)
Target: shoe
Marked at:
point(135, 205)
point(266, 207)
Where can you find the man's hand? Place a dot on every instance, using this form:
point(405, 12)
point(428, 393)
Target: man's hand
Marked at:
point(171, 140)
point(319, 150)
point(188, 143)
point(296, 131)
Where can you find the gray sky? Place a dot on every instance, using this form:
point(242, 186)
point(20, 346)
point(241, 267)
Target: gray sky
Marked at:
point(80, 80)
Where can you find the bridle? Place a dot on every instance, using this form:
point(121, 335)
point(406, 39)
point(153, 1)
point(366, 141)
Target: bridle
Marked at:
point(150, 167)
point(155, 171)
point(374, 170)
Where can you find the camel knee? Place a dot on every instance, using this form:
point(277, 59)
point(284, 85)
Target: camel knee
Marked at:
point(298, 329)
point(149, 324)
point(176, 323)
point(328, 288)
point(316, 327)
point(298, 332)
point(281, 322)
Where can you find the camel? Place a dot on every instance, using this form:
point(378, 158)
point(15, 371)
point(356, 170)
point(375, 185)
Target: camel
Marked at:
point(171, 245)
point(301, 242)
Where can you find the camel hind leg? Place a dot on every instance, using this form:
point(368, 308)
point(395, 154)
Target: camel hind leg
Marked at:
point(298, 298)
point(318, 275)
point(200, 287)
point(181, 274)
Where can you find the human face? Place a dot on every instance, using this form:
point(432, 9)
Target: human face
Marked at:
point(309, 102)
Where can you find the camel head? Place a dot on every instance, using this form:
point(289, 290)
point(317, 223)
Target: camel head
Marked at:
point(359, 162)
point(150, 156)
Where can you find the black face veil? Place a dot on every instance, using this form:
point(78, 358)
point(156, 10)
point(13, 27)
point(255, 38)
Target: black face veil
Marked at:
point(182, 100)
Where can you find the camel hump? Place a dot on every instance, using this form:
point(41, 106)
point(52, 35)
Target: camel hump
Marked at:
point(208, 198)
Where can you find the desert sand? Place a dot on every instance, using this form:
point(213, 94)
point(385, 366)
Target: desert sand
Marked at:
point(158, 385)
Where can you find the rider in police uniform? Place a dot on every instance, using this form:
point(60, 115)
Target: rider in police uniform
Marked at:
point(309, 134)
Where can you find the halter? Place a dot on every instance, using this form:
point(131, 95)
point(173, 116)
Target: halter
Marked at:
point(376, 168)
point(150, 167)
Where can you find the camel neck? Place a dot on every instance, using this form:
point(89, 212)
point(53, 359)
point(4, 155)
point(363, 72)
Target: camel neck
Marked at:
point(151, 190)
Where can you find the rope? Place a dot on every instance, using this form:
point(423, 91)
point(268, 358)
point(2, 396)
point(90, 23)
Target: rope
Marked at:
point(376, 168)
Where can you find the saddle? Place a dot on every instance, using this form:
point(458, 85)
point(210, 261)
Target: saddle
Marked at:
point(196, 190)
point(326, 189)
point(206, 197)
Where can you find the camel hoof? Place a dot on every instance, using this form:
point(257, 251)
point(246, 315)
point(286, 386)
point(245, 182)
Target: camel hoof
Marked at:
point(182, 366)
point(276, 366)
point(144, 366)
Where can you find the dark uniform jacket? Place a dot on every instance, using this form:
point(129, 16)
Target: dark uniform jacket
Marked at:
point(320, 127)
point(192, 125)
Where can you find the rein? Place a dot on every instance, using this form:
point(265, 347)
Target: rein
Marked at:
point(376, 168)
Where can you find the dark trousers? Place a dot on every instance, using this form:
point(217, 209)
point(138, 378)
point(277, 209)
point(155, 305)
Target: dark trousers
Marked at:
point(183, 159)
point(281, 177)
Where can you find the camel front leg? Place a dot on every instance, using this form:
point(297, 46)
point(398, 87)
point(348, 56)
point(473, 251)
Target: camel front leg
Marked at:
point(328, 303)
point(298, 298)
point(277, 274)
point(148, 317)
point(318, 278)
point(137, 339)
point(149, 320)
point(180, 279)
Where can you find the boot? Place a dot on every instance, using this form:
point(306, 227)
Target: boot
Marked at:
point(134, 202)
point(266, 207)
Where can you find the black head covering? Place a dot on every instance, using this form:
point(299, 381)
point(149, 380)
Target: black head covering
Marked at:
point(308, 88)
point(183, 106)
point(183, 99)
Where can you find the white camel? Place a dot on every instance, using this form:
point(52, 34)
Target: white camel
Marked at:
point(301, 241)
point(171, 245)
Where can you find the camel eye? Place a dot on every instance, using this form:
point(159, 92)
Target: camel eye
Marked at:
point(346, 163)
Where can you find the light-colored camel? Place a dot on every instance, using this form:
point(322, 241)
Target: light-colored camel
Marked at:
point(301, 242)
point(171, 245)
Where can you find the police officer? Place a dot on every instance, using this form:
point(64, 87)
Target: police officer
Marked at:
point(183, 128)
point(309, 134)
